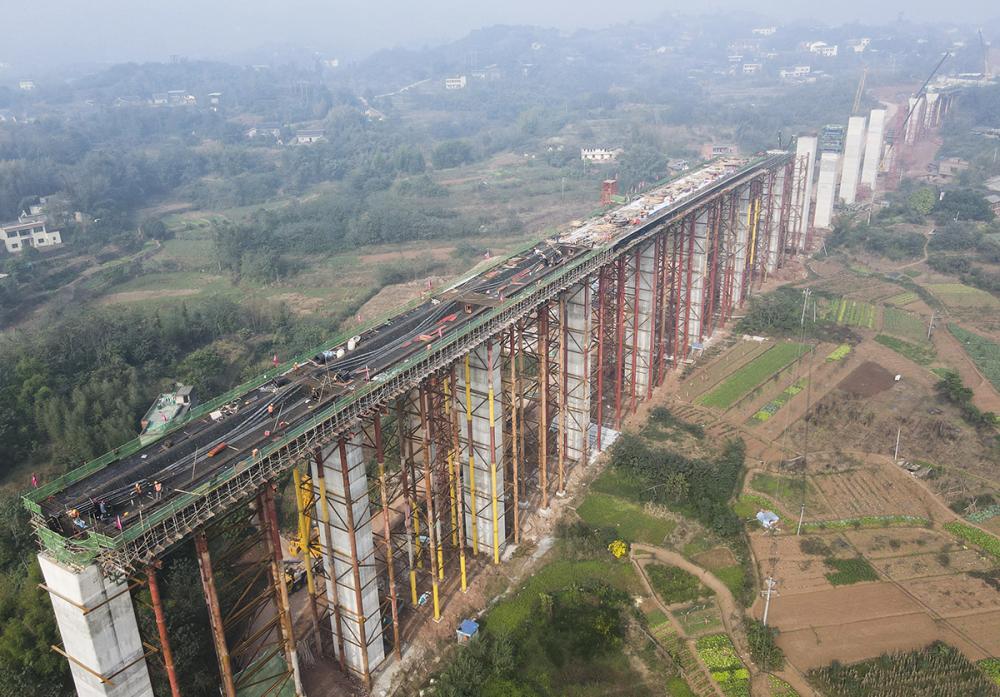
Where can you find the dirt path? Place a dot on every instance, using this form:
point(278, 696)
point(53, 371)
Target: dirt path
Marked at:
point(732, 616)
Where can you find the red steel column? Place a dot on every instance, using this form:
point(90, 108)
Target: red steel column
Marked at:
point(620, 358)
point(214, 613)
point(602, 279)
point(386, 531)
point(635, 326)
point(161, 629)
point(543, 410)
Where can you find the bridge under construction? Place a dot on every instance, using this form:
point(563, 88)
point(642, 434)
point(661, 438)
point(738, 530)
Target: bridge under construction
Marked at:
point(419, 445)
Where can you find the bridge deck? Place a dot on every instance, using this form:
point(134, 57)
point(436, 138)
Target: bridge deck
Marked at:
point(275, 409)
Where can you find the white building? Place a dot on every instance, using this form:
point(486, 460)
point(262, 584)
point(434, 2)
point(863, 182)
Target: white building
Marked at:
point(28, 231)
point(455, 83)
point(26, 85)
point(797, 72)
point(821, 48)
point(752, 68)
point(598, 154)
point(764, 31)
point(309, 136)
point(859, 45)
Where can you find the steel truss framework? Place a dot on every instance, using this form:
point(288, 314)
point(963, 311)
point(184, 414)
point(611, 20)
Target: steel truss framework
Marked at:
point(420, 490)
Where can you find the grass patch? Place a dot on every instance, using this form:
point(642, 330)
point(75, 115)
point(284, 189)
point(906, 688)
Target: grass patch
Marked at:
point(676, 687)
point(631, 522)
point(769, 409)
point(509, 614)
point(612, 481)
point(904, 325)
point(734, 577)
point(675, 585)
point(787, 490)
point(980, 538)
point(959, 296)
point(921, 355)
point(983, 352)
point(698, 618)
point(848, 571)
point(747, 505)
point(656, 617)
point(764, 366)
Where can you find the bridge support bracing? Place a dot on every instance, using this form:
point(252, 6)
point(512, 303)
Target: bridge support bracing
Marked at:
point(348, 548)
point(481, 448)
point(100, 635)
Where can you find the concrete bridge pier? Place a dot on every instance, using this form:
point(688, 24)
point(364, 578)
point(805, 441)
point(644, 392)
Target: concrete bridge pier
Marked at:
point(348, 547)
point(693, 279)
point(481, 448)
point(577, 339)
point(777, 221)
point(100, 635)
point(640, 288)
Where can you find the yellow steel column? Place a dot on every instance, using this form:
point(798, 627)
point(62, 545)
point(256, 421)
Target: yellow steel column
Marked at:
point(473, 513)
point(493, 458)
point(303, 487)
point(459, 489)
point(429, 498)
point(452, 454)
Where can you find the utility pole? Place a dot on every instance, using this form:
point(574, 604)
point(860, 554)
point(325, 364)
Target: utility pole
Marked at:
point(895, 454)
point(930, 326)
point(805, 302)
point(767, 596)
point(802, 514)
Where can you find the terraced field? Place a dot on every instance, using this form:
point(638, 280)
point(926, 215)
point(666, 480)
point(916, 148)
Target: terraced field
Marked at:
point(754, 373)
point(853, 313)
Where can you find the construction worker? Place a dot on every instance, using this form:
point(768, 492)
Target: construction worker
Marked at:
point(158, 489)
point(270, 408)
point(136, 492)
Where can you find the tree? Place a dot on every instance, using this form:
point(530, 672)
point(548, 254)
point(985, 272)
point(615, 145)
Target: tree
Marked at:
point(922, 200)
point(451, 153)
point(154, 229)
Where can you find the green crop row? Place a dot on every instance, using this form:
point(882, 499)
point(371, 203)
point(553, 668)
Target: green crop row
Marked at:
point(975, 536)
point(753, 374)
point(839, 353)
point(921, 355)
point(983, 352)
point(719, 655)
point(769, 409)
point(848, 571)
point(868, 521)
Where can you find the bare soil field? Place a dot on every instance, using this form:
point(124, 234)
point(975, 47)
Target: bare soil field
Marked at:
point(796, 571)
point(867, 380)
point(897, 542)
point(871, 491)
point(848, 642)
point(955, 595)
point(946, 563)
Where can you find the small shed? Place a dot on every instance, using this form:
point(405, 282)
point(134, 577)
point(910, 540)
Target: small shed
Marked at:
point(767, 518)
point(467, 630)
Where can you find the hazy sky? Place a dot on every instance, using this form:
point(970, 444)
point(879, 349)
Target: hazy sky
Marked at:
point(47, 32)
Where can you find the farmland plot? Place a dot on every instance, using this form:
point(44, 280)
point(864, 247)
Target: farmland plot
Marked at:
point(904, 325)
point(983, 352)
point(956, 295)
point(764, 366)
point(872, 491)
